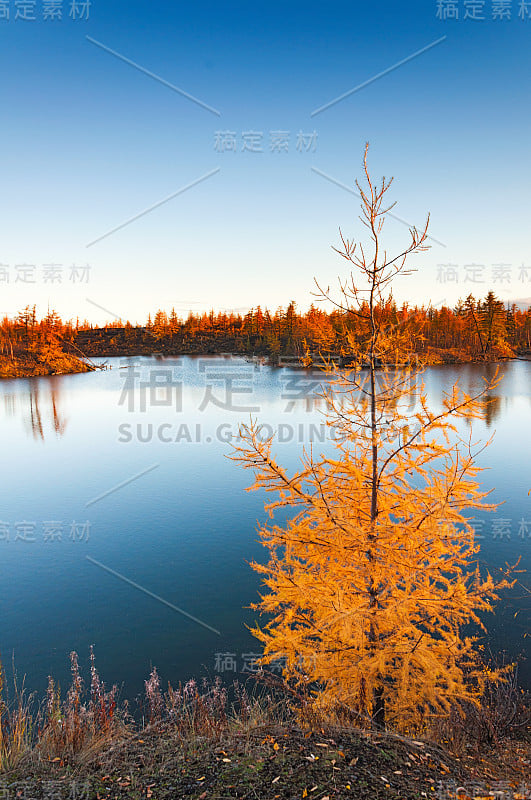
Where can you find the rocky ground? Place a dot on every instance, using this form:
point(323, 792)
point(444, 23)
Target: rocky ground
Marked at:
point(282, 763)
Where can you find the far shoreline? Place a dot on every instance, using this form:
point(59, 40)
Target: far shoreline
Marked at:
point(31, 366)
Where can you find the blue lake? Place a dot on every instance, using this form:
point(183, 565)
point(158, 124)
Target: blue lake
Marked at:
point(119, 509)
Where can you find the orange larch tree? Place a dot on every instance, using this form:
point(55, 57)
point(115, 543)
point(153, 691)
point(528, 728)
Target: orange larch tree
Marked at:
point(373, 578)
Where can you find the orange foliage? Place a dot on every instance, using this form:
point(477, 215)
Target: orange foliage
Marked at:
point(371, 581)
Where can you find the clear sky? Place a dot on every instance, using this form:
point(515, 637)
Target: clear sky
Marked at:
point(90, 141)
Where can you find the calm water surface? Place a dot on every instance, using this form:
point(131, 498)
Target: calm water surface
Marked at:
point(72, 494)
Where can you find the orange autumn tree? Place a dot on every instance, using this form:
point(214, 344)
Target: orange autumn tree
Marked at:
point(371, 580)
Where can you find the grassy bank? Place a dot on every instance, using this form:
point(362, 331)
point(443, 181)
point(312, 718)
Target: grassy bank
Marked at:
point(197, 743)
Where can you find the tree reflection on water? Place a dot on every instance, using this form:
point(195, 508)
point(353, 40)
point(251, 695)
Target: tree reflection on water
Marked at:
point(39, 407)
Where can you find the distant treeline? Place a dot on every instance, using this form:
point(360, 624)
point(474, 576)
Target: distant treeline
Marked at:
point(472, 329)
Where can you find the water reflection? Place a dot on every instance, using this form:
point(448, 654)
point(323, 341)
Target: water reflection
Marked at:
point(39, 403)
point(187, 530)
point(491, 408)
point(39, 407)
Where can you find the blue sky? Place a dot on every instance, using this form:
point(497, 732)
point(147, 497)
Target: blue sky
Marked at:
point(89, 141)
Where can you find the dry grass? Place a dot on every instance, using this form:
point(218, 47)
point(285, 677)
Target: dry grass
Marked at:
point(73, 731)
point(15, 725)
point(191, 729)
point(502, 713)
point(83, 722)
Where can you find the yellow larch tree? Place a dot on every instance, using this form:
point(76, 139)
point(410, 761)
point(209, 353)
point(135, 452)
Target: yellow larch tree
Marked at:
point(374, 576)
